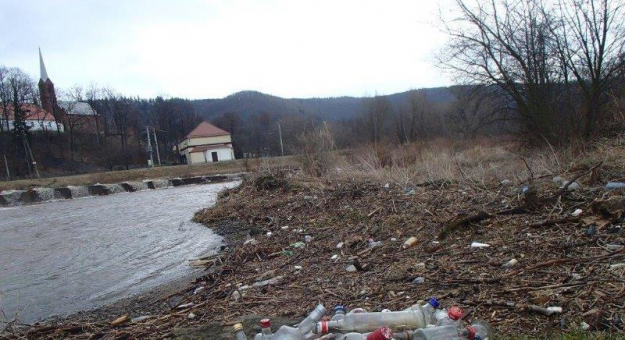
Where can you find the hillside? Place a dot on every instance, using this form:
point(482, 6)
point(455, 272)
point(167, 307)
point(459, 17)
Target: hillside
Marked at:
point(248, 103)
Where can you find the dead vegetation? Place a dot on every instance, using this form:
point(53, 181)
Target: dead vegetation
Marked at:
point(562, 258)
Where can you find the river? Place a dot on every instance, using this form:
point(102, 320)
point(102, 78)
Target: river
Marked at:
point(61, 257)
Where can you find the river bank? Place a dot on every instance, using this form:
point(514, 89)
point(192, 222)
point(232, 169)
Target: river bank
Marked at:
point(143, 174)
point(354, 256)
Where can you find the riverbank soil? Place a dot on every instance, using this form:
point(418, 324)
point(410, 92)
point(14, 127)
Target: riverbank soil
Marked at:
point(295, 241)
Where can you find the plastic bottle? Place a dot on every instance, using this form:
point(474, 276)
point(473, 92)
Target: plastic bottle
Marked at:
point(304, 329)
point(308, 324)
point(265, 330)
point(339, 312)
point(447, 317)
point(477, 330)
point(383, 333)
point(239, 334)
point(415, 317)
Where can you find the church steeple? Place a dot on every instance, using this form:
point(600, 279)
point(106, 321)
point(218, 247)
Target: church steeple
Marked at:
point(42, 67)
point(46, 88)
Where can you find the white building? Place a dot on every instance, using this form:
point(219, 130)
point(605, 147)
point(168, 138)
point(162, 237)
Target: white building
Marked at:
point(206, 144)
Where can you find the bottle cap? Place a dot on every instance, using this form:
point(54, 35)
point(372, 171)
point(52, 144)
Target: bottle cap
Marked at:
point(237, 327)
point(433, 302)
point(470, 333)
point(455, 313)
point(338, 308)
point(265, 323)
point(383, 333)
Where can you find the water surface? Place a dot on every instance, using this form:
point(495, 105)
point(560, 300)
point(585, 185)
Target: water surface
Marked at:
point(61, 257)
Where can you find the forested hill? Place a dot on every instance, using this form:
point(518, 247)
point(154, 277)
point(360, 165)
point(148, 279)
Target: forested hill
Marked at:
point(248, 103)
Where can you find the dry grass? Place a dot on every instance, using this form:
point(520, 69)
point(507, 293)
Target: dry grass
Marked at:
point(242, 165)
point(478, 163)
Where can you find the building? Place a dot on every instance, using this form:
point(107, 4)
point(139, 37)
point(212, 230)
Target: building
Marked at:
point(206, 144)
point(83, 116)
point(35, 118)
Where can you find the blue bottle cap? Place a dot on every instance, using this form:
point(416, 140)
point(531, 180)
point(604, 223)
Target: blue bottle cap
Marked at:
point(339, 308)
point(433, 302)
point(477, 337)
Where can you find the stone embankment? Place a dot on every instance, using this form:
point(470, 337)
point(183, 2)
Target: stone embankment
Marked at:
point(36, 195)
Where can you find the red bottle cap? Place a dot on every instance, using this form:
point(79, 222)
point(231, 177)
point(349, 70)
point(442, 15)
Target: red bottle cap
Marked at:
point(471, 332)
point(455, 313)
point(383, 333)
point(265, 323)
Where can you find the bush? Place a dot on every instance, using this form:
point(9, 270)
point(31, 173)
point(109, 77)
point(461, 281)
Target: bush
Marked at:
point(314, 150)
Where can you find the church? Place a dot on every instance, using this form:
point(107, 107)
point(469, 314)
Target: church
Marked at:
point(64, 111)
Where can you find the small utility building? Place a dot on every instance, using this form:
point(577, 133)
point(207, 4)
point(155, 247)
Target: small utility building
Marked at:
point(206, 144)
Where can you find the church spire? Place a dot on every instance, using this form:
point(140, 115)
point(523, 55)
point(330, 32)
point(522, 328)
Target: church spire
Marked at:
point(42, 67)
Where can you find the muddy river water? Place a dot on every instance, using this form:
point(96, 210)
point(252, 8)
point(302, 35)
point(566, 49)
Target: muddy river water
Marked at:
point(62, 257)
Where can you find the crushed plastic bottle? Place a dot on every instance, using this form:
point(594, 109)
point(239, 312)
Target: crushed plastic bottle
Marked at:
point(239, 334)
point(416, 316)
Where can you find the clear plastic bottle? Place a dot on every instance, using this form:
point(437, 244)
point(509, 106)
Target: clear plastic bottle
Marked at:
point(304, 329)
point(339, 312)
point(415, 317)
point(308, 324)
point(477, 330)
point(265, 330)
point(444, 317)
point(239, 334)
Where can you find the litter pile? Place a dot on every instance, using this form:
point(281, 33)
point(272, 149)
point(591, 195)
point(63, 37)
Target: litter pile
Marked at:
point(533, 258)
point(419, 322)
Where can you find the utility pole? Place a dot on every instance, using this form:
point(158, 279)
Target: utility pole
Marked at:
point(6, 166)
point(30, 153)
point(147, 130)
point(158, 154)
point(280, 134)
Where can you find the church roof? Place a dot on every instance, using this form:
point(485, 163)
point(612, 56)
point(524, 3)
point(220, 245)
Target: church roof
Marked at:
point(31, 112)
point(206, 129)
point(42, 67)
point(77, 108)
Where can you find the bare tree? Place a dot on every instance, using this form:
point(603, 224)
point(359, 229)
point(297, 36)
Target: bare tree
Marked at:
point(590, 41)
point(507, 43)
point(93, 97)
point(73, 120)
point(21, 90)
point(474, 109)
point(378, 111)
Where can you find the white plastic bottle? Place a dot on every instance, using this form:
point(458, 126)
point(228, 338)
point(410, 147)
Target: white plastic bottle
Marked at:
point(415, 317)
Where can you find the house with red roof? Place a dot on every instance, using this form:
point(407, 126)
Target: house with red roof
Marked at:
point(35, 118)
point(206, 144)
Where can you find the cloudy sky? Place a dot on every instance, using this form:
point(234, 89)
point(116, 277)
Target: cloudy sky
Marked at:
point(213, 48)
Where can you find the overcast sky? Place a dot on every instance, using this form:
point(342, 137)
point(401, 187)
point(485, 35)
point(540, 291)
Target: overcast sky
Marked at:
point(210, 49)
